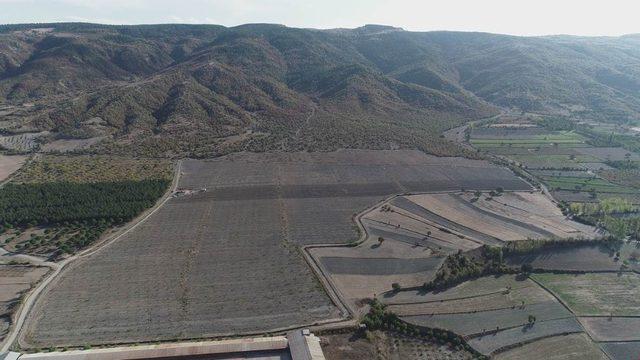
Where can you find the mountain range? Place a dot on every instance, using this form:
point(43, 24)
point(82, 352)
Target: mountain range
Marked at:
point(208, 90)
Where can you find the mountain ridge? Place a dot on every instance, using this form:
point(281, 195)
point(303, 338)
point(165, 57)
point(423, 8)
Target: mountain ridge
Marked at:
point(207, 90)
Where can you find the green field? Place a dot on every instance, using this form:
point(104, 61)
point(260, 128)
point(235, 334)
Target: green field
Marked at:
point(596, 293)
point(584, 184)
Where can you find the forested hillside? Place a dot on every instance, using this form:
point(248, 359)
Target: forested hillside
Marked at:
point(204, 90)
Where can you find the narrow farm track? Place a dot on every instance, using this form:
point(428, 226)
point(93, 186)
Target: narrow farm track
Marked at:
point(30, 299)
point(190, 255)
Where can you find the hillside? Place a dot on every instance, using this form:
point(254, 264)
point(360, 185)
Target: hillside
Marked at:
point(204, 90)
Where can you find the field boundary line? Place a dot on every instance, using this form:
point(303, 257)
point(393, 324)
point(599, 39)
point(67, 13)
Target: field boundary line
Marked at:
point(571, 311)
point(454, 299)
point(530, 341)
point(25, 312)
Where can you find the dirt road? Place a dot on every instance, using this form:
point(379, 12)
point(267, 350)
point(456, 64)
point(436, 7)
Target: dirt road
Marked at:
point(33, 296)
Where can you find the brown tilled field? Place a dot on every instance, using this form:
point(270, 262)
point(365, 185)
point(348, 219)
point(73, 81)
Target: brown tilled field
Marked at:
point(9, 164)
point(226, 260)
point(511, 216)
point(15, 280)
point(572, 346)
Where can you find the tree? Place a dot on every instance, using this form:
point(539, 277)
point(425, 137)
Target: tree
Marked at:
point(396, 287)
point(531, 319)
point(380, 240)
point(526, 268)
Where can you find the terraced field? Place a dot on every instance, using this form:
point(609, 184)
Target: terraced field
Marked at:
point(563, 160)
point(596, 294)
point(477, 322)
point(585, 258)
point(489, 344)
point(235, 246)
point(605, 328)
point(562, 347)
point(485, 219)
point(622, 350)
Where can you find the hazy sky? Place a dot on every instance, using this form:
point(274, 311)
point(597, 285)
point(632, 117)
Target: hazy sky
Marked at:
point(518, 17)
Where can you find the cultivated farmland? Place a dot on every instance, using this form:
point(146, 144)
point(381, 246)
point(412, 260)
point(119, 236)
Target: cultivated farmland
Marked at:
point(491, 343)
point(575, 258)
point(572, 346)
point(9, 164)
point(596, 293)
point(225, 260)
point(15, 281)
point(622, 350)
point(605, 328)
point(509, 217)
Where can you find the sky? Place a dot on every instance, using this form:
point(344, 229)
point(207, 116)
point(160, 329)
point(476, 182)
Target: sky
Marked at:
point(515, 17)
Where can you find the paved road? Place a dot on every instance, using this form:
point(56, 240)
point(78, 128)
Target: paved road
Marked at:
point(32, 297)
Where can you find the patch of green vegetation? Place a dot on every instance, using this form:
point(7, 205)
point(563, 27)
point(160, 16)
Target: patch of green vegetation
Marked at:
point(564, 184)
point(604, 138)
point(50, 203)
point(89, 209)
point(604, 207)
point(96, 168)
point(379, 318)
point(556, 123)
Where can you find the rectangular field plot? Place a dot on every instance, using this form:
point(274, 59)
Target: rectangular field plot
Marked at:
point(584, 258)
point(622, 350)
point(225, 261)
point(471, 323)
point(195, 269)
point(605, 328)
point(379, 266)
point(508, 217)
point(491, 343)
point(15, 280)
point(562, 347)
point(484, 294)
point(609, 153)
point(596, 293)
point(9, 164)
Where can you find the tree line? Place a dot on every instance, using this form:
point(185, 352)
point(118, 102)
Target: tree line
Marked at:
point(55, 203)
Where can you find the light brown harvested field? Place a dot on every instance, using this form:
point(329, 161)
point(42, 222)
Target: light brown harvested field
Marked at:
point(596, 293)
point(511, 216)
point(15, 280)
point(563, 347)
point(448, 206)
point(362, 281)
point(402, 219)
point(612, 328)
point(226, 261)
point(537, 210)
point(9, 164)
